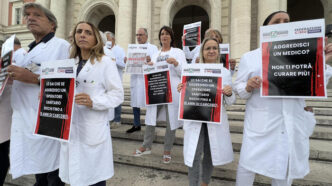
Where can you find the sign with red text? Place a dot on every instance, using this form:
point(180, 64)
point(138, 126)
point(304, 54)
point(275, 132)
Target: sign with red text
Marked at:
point(157, 84)
point(201, 94)
point(224, 54)
point(57, 88)
point(7, 50)
point(192, 33)
point(293, 60)
point(136, 58)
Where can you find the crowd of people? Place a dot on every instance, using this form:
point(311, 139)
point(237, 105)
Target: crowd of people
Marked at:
point(270, 146)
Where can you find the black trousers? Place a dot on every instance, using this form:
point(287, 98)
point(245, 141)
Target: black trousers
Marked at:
point(102, 183)
point(49, 179)
point(4, 161)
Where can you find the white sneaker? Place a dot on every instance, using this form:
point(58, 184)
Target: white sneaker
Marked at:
point(115, 125)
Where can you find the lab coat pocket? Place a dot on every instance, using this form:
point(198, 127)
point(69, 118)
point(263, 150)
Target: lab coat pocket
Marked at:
point(308, 124)
point(257, 120)
point(94, 133)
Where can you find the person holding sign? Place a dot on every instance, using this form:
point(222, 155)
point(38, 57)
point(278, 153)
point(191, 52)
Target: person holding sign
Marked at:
point(88, 158)
point(175, 58)
point(137, 81)
point(31, 154)
point(213, 140)
point(276, 130)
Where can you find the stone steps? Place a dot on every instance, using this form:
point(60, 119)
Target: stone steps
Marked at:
point(320, 144)
point(236, 108)
point(319, 149)
point(321, 131)
point(123, 150)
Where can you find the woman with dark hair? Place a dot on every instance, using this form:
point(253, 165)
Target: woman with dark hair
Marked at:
point(175, 58)
point(88, 158)
point(211, 140)
point(276, 130)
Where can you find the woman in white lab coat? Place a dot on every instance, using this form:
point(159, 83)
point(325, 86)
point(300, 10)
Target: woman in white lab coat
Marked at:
point(88, 158)
point(213, 140)
point(276, 130)
point(175, 58)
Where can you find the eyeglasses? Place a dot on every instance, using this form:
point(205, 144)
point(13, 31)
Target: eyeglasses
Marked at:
point(140, 34)
point(211, 48)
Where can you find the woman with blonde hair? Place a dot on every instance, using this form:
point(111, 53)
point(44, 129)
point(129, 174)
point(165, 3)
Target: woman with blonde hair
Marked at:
point(88, 158)
point(213, 140)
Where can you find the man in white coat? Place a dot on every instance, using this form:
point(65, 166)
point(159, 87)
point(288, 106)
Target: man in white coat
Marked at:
point(120, 57)
point(31, 154)
point(137, 82)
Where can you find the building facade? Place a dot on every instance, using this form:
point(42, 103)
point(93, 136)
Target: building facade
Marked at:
point(238, 20)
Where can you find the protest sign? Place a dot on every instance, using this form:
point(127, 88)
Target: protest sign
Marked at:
point(7, 50)
point(136, 58)
point(201, 95)
point(293, 60)
point(57, 88)
point(224, 54)
point(157, 84)
point(192, 33)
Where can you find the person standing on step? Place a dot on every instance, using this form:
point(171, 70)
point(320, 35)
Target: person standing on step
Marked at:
point(211, 140)
point(30, 154)
point(137, 82)
point(88, 158)
point(120, 57)
point(175, 58)
point(276, 130)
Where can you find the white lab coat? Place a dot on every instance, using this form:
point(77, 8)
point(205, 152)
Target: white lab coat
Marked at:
point(276, 131)
point(30, 154)
point(137, 83)
point(5, 105)
point(88, 157)
point(5, 114)
point(19, 55)
point(119, 55)
point(195, 54)
point(190, 54)
point(219, 135)
point(110, 54)
point(328, 73)
point(175, 77)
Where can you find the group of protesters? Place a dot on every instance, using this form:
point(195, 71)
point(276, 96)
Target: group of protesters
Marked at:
point(87, 159)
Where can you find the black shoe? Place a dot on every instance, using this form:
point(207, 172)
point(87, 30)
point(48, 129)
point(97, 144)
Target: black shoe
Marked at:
point(133, 129)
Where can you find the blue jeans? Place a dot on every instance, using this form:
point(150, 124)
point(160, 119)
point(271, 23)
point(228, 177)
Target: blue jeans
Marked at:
point(137, 116)
point(117, 114)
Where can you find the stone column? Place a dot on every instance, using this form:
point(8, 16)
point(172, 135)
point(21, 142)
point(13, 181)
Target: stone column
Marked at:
point(143, 16)
point(265, 8)
point(240, 27)
point(58, 8)
point(124, 24)
point(216, 15)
